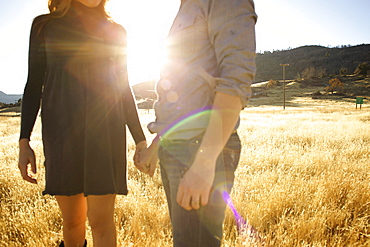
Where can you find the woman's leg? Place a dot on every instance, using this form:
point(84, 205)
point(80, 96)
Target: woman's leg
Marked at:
point(74, 209)
point(101, 218)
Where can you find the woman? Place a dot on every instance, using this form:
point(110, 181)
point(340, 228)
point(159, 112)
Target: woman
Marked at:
point(77, 62)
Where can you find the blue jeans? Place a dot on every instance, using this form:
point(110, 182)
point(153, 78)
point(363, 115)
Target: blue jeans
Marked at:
point(202, 227)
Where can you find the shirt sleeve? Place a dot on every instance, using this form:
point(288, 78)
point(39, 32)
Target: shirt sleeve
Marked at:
point(36, 73)
point(232, 33)
point(129, 104)
point(132, 117)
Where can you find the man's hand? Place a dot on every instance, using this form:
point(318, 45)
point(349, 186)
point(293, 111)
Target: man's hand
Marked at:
point(195, 186)
point(27, 161)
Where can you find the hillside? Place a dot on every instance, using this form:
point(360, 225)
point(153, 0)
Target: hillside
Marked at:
point(329, 60)
point(9, 98)
point(145, 90)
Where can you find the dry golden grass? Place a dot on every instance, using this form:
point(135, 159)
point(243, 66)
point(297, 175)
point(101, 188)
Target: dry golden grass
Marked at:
point(303, 180)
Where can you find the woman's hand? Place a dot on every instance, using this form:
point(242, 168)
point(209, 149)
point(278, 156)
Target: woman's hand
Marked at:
point(27, 161)
point(149, 158)
point(139, 148)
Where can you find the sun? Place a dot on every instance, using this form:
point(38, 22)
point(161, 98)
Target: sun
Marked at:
point(147, 23)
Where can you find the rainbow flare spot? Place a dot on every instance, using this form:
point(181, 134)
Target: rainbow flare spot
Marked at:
point(185, 119)
point(240, 221)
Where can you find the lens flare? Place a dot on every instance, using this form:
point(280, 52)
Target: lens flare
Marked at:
point(186, 120)
point(246, 231)
point(240, 221)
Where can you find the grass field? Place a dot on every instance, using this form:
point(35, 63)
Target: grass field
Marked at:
point(303, 180)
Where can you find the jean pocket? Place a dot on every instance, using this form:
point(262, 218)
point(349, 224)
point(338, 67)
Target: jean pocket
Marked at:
point(176, 157)
point(231, 155)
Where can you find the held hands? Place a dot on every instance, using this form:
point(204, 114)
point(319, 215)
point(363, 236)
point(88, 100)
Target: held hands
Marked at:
point(27, 161)
point(145, 159)
point(195, 186)
point(139, 148)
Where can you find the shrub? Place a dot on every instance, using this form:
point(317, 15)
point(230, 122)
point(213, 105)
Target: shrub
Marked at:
point(321, 73)
point(334, 84)
point(343, 71)
point(362, 69)
point(272, 83)
point(317, 93)
point(308, 73)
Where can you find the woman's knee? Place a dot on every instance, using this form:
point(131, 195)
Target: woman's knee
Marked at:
point(101, 212)
point(73, 210)
point(72, 223)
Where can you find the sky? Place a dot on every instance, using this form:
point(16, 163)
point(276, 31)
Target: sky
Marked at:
point(282, 24)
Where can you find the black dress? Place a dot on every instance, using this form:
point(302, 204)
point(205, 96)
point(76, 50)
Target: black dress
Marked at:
point(77, 68)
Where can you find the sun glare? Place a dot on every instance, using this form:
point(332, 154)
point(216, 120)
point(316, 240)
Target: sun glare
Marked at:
point(147, 23)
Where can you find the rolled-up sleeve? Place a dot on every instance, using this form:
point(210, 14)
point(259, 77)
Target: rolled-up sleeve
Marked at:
point(232, 34)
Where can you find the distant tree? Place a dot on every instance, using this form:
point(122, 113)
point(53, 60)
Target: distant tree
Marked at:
point(18, 102)
point(343, 71)
point(317, 93)
point(312, 72)
point(334, 85)
point(321, 73)
point(308, 73)
point(271, 83)
point(362, 69)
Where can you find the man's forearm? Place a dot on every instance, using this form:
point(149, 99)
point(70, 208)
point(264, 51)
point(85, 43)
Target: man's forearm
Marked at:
point(224, 116)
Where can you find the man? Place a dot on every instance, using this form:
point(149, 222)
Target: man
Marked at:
point(203, 87)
